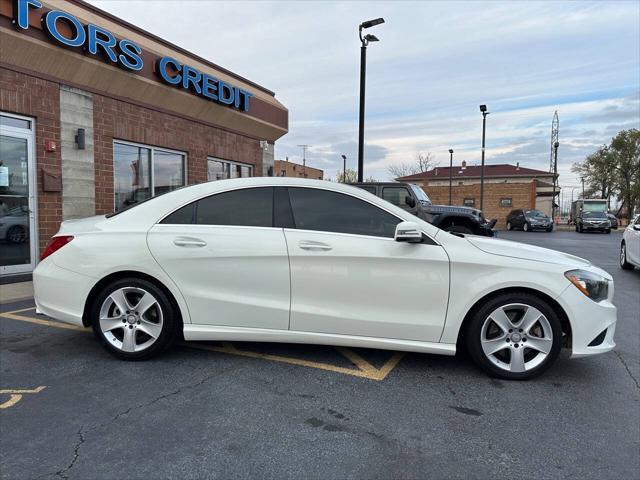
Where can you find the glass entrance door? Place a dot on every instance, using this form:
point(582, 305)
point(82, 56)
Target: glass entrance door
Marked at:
point(17, 202)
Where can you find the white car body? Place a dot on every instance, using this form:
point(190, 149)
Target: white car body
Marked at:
point(303, 286)
point(631, 241)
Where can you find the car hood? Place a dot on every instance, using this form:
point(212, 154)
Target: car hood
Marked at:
point(507, 248)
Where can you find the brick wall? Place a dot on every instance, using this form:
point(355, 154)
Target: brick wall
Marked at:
point(33, 97)
point(115, 119)
point(523, 195)
point(283, 168)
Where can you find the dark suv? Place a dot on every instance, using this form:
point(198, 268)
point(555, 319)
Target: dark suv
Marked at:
point(593, 222)
point(413, 199)
point(529, 220)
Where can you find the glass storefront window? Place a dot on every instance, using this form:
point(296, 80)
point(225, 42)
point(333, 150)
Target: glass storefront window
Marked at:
point(168, 171)
point(223, 169)
point(132, 167)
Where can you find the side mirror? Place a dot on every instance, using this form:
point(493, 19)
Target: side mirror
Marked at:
point(410, 201)
point(408, 232)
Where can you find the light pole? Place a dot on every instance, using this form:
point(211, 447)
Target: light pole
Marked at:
point(363, 67)
point(304, 159)
point(450, 172)
point(582, 180)
point(483, 110)
point(344, 168)
point(555, 179)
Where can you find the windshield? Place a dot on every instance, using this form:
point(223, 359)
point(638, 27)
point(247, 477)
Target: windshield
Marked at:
point(534, 213)
point(594, 215)
point(420, 194)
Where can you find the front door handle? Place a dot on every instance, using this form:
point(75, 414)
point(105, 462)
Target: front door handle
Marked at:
point(314, 246)
point(189, 242)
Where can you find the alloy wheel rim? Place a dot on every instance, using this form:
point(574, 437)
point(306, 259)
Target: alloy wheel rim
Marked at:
point(131, 319)
point(516, 337)
point(623, 255)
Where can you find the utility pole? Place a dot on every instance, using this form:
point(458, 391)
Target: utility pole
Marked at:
point(344, 169)
point(555, 178)
point(304, 158)
point(450, 172)
point(582, 180)
point(364, 42)
point(483, 109)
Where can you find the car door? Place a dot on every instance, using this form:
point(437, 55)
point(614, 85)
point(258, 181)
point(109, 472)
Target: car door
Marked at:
point(227, 259)
point(349, 276)
point(633, 250)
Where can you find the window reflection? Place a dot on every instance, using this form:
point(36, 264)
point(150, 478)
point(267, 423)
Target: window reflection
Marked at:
point(221, 170)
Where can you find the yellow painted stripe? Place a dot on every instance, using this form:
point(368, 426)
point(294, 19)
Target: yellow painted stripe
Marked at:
point(13, 399)
point(34, 390)
point(364, 370)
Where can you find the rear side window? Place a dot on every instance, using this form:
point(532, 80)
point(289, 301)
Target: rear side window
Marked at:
point(252, 207)
point(327, 211)
point(396, 195)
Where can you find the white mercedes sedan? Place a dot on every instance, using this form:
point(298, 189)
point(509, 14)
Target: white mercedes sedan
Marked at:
point(307, 261)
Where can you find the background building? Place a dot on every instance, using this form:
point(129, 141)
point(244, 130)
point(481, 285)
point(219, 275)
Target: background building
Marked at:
point(97, 114)
point(285, 168)
point(506, 187)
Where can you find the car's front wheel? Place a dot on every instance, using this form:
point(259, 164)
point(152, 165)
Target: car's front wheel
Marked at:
point(623, 257)
point(515, 336)
point(134, 319)
point(526, 227)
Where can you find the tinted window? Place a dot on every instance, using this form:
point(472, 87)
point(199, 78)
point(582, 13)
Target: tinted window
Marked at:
point(396, 195)
point(181, 216)
point(327, 211)
point(250, 206)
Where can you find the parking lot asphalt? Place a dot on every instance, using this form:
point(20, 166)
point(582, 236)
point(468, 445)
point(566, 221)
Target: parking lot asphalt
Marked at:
point(70, 410)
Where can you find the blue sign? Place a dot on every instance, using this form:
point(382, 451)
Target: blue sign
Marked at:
point(126, 54)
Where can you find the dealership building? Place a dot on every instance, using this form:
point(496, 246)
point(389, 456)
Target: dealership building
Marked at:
point(506, 188)
point(97, 114)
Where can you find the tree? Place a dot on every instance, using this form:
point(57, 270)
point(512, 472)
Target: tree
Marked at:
point(625, 147)
point(423, 163)
point(350, 176)
point(598, 171)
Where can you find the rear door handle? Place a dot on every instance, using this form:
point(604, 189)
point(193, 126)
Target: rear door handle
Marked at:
point(189, 242)
point(314, 246)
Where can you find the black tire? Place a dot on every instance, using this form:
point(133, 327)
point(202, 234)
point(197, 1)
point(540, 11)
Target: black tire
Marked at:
point(608, 230)
point(580, 229)
point(577, 227)
point(526, 227)
point(16, 234)
point(170, 325)
point(474, 330)
point(509, 227)
point(623, 258)
point(550, 229)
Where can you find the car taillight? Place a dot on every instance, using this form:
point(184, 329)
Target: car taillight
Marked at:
point(55, 244)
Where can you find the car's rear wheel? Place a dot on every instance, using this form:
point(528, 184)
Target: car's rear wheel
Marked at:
point(623, 257)
point(514, 336)
point(134, 319)
point(509, 226)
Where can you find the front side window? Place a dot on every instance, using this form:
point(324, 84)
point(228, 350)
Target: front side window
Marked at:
point(396, 195)
point(223, 169)
point(251, 207)
point(141, 172)
point(327, 211)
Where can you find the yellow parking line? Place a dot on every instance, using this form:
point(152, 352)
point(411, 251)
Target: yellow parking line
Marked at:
point(364, 368)
point(16, 395)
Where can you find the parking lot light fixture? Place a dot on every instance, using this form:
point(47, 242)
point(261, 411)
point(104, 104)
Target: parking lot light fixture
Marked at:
point(364, 40)
point(483, 110)
point(450, 172)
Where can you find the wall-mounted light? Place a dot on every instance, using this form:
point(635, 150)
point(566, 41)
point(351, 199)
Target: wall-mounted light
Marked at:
point(80, 139)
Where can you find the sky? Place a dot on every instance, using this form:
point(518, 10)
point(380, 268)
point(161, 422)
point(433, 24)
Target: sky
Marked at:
point(436, 62)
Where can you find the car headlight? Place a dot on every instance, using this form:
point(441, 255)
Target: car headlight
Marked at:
point(594, 286)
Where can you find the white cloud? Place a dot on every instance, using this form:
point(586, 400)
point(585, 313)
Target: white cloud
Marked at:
point(435, 63)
